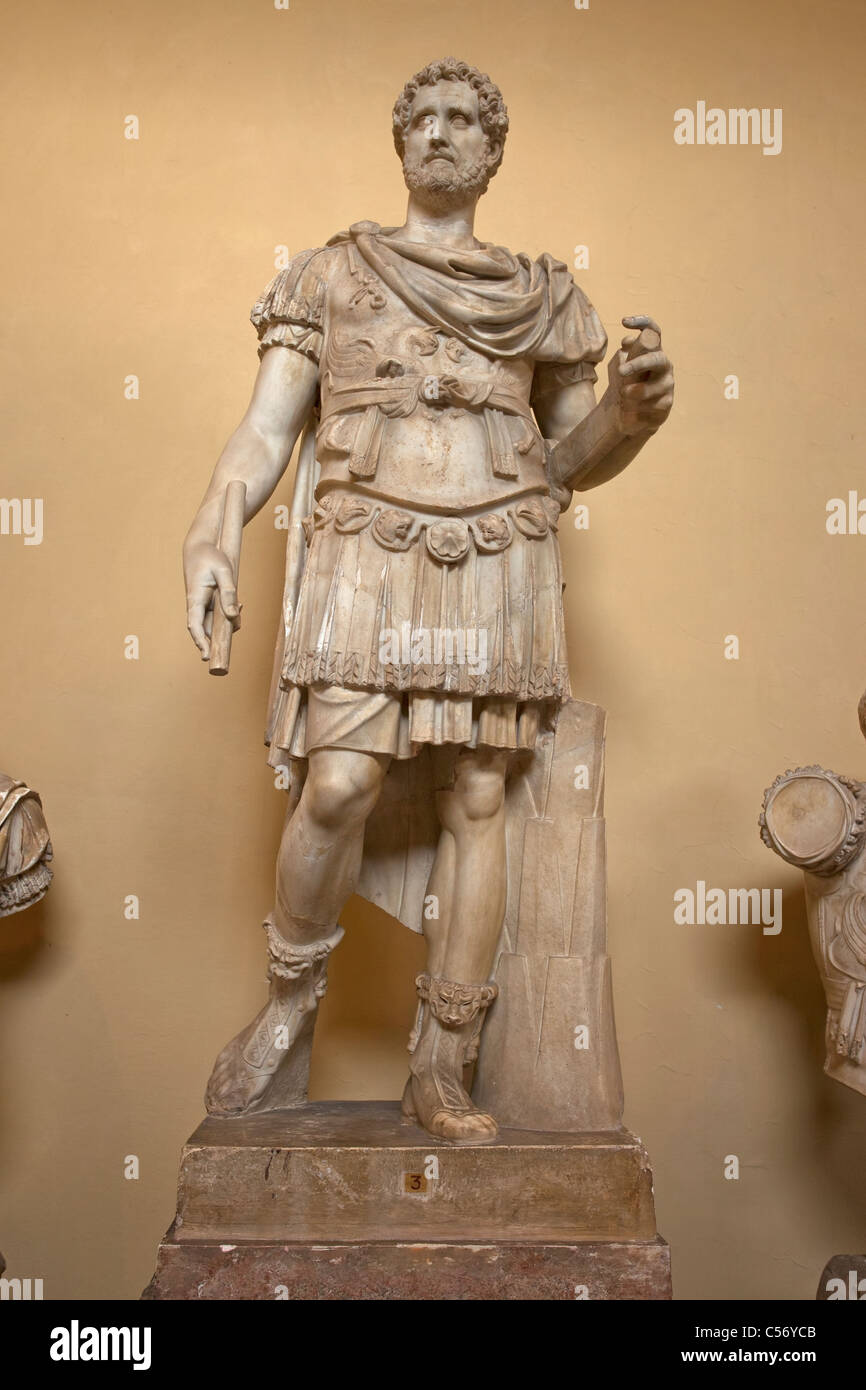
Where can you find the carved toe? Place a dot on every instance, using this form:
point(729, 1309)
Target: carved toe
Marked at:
point(472, 1127)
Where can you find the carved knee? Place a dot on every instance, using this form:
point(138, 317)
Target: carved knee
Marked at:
point(342, 791)
point(479, 788)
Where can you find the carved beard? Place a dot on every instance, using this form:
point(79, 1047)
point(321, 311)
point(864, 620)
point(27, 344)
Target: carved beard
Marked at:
point(443, 186)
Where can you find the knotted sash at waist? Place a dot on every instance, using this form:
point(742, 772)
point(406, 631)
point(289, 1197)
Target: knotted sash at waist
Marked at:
point(396, 396)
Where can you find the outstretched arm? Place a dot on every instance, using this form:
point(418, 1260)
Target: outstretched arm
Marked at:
point(257, 454)
point(595, 441)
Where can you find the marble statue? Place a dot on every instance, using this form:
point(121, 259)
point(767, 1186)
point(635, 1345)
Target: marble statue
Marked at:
point(816, 820)
point(25, 847)
point(443, 391)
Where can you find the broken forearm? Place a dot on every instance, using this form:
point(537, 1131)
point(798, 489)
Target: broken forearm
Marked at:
point(595, 450)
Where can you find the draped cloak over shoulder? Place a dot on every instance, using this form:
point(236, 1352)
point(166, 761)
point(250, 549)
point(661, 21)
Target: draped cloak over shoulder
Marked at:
point(499, 304)
point(495, 302)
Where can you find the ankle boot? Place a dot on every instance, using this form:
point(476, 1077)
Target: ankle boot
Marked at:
point(267, 1066)
point(444, 1041)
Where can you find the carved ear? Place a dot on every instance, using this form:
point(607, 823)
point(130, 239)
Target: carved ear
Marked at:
point(861, 713)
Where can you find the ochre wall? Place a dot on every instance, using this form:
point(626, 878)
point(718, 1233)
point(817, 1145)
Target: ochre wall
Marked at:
point(260, 127)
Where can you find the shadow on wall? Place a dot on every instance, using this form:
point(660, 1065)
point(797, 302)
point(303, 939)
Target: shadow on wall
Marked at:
point(23, 951)
point(23, 940)
point(832, 1126)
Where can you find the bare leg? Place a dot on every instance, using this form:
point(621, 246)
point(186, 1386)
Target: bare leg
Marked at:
point(320, 855)
point(469, 881)
point(473, 814)
point(439, 903)
point(267, 1065)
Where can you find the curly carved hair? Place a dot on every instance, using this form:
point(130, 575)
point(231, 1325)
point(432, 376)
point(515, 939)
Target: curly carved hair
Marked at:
point(491, 107)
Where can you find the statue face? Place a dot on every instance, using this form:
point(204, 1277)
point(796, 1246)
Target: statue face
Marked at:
point(447, 157)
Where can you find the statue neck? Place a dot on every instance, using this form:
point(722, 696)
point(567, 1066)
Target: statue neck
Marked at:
point(438, 227)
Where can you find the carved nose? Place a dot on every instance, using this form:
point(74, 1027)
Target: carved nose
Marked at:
point(439, 144)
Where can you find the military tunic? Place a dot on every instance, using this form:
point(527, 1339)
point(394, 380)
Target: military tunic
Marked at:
point(433, 579)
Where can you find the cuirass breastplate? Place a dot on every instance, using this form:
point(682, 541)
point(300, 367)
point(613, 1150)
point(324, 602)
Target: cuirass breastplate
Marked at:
point(412, 414)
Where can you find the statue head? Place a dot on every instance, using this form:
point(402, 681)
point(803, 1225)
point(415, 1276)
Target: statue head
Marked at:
point(449, 125)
